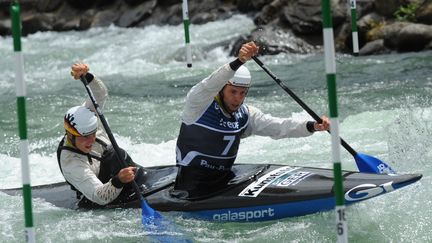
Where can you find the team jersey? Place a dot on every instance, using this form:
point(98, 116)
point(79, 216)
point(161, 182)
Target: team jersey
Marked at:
point(212, 141)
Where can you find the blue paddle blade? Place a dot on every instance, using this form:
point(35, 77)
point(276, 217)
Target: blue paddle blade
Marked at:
point(159, 228)
point(369, 164)
point(148, 214)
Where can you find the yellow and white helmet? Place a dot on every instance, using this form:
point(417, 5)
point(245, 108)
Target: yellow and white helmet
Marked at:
point(80, 121)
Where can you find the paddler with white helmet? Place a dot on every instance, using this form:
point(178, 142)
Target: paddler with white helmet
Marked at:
point(214, 120)
point(85, 155)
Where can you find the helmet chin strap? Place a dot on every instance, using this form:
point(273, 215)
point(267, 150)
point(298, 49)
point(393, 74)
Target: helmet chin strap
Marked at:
point(221, 100)
point(221, 96)
point(71, 138)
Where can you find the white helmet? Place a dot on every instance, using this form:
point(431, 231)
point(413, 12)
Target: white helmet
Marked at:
point(80, 121)
point(242, 78)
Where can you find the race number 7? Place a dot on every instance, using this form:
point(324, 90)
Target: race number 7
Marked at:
point(230, 140)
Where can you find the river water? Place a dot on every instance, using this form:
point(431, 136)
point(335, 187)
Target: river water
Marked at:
point(385, 110)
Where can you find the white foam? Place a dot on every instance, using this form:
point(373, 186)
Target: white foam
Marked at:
point(147, 154)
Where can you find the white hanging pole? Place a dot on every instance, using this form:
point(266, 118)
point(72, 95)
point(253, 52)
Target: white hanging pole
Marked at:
point(354, 27)
point(186, 24)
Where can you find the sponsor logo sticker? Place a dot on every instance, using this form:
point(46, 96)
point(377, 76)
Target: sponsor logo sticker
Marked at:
point(365, 191)
point(244, 215)
point(256, 187)
point(294, 179)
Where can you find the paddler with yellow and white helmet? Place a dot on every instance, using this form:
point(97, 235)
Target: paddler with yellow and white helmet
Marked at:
point(85, 155)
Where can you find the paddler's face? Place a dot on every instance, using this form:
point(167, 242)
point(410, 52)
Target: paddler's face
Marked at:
point(85, 143)
point(233, 97)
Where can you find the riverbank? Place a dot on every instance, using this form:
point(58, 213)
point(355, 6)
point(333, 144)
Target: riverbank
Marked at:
point(294, 26)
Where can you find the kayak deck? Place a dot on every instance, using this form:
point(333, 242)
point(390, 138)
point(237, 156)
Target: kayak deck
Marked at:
point(258, 192)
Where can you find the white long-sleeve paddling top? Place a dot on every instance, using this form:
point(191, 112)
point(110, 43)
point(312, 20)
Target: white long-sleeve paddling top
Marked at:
point(202, 94)
point(76, 167)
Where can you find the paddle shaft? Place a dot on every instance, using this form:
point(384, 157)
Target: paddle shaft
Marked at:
point(300, 102)
point(109, 133)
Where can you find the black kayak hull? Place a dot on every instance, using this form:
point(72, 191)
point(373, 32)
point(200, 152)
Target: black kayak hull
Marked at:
point(257, 193)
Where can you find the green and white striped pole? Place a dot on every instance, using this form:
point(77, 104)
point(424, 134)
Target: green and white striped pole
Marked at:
point(354, 27)
point(186, 31)
point(22, 124)
point(330, 66)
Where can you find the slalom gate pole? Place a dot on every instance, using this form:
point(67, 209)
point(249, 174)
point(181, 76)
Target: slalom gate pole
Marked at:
point(354, 27)
point(186, 31)
point(22, 123)
point(330, 67)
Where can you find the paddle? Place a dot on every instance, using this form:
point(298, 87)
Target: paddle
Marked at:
point(148, 213)
point(151, 219)
point(365, 163)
